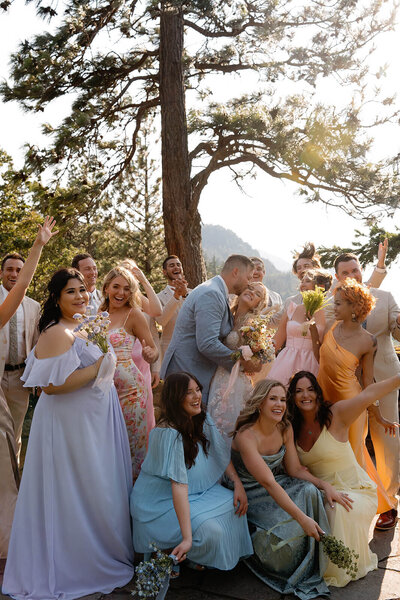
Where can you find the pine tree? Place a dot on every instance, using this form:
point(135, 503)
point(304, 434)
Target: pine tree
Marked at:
point(122, 59)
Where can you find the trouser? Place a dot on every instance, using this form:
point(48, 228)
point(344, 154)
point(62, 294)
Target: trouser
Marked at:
point(18, 400)
point(387, 447)
point(9, 478)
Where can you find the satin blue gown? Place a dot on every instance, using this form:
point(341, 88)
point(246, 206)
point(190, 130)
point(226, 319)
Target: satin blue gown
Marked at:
point(71, 534)
point(298, 565)
point(220, 537)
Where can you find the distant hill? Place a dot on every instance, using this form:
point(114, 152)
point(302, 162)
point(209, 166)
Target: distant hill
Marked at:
point(219, 243)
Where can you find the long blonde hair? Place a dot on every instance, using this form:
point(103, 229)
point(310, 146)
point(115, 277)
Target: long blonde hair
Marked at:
point(134, 297)
point(251, 410)
point(261, 305)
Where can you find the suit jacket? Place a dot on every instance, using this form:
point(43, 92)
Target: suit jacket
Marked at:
point(31, 319)
point(196, 346)
point(381, 322)
point(171, 307)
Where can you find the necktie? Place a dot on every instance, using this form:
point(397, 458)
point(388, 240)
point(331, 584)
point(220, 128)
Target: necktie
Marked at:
point(13, 345)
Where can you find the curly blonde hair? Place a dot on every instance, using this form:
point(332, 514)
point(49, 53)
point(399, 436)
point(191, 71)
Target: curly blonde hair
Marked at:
point(251, 411)
point(260, 306)
point(134, 297)
point(359, 296)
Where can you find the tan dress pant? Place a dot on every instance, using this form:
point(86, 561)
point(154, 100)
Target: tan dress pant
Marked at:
point(9, 478)
point(18, 400)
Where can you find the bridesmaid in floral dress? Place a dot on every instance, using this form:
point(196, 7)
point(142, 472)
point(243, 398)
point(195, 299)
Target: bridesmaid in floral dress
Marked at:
point(120, 293)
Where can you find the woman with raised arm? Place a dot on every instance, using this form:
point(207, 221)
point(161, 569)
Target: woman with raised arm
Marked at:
point(284, 502)
point(177, 501)
point(348, 348)
point(9, 476)
point(321, 432)
point(71, 531)
point(120, 299)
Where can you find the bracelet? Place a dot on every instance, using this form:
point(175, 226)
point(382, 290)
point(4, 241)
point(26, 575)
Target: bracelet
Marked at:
point(380, 269)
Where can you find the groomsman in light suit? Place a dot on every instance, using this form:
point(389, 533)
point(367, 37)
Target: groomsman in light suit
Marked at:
point(17, 339)
point(383, 322)
point(171, 298)
point(86, 265)
point(204, 321)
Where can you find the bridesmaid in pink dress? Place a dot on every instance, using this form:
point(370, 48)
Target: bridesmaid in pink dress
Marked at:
point(120, 293)
point(151, 307)
point(294, 331)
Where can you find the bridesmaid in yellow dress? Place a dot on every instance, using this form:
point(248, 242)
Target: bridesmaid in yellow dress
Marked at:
point(120, 292)
point(346, 347)
point(321, 432)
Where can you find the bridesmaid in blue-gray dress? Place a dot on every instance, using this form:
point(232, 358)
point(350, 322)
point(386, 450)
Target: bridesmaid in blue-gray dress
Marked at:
point(286, 509)
point(71, 533)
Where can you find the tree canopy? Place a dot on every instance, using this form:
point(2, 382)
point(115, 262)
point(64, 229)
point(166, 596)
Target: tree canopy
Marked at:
point(116, 61)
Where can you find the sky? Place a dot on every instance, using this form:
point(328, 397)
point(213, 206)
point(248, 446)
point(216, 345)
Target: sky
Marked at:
point(268, 215)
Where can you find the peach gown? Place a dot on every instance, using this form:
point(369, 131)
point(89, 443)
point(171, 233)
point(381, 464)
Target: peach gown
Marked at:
point(338, 380)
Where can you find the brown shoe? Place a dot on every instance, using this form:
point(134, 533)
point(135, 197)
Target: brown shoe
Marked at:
point(386, 520)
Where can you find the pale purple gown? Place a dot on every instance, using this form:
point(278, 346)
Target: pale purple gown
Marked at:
point(71, 534)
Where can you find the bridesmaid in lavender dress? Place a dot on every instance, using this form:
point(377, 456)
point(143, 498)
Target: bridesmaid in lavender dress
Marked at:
point(71, 532)
point(127, 324)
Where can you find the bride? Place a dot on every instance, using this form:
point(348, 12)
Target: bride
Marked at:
point(224, 411)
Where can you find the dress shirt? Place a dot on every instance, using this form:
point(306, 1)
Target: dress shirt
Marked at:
point(20, 331)
point(94, 302)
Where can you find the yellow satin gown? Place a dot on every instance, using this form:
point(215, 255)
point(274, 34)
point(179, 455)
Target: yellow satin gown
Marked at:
point(335, 462)
point(338, 380)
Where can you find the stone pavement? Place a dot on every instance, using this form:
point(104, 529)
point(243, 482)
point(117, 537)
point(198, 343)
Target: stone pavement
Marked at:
point(241, 584)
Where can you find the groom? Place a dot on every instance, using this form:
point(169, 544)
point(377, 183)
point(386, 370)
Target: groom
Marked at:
point(203, 321)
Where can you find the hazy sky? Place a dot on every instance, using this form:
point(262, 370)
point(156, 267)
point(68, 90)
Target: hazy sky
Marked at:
point(269, 215)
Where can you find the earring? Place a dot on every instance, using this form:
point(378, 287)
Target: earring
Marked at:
point(353, 317)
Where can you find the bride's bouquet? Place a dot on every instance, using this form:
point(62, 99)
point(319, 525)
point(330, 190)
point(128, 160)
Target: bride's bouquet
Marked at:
point(96, 327)
point(258, 346)
point(257, 338)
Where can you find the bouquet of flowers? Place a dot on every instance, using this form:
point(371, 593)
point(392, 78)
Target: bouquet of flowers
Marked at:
point(258, 346)
point(152, 576)
point(95, 327)
point(313, 301)
point(257, 340)
point(340, 554)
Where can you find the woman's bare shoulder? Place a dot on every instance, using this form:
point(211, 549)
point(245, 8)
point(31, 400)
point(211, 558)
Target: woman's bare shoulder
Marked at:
point(53, 341)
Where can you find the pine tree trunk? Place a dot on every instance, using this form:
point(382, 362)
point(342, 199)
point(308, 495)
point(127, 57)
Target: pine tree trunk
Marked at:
point(182, 223)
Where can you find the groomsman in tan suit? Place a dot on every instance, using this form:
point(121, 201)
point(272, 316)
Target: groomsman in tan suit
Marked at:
point(17, 339)
point(171, 298)
point(383, 322)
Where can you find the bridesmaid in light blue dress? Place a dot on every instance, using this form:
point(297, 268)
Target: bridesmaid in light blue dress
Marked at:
point(184, 464)
point(71, 533)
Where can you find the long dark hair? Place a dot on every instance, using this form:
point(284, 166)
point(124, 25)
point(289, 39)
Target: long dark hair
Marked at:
point(51, 313)
point(324, 413)
point(191, 428)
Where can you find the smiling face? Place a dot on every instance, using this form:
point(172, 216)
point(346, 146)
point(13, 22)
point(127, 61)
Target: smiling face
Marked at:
point(173, 269)
point(10, 272)
point(305, 397)
point(252, 296)
point(342, 307)
point(259, 271)
point(73, 298)
point(118, 292)
point(88, 268)
point(349, 268)
point(192, 401)
point(307, 283)
point(303, 265)
point(274, 405)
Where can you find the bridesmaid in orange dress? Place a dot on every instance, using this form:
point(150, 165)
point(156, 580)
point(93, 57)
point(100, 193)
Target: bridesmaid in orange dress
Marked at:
point(346, 349)
point(128, 323)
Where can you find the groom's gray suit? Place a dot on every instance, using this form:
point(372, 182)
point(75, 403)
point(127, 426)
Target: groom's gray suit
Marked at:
point(203, 321)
